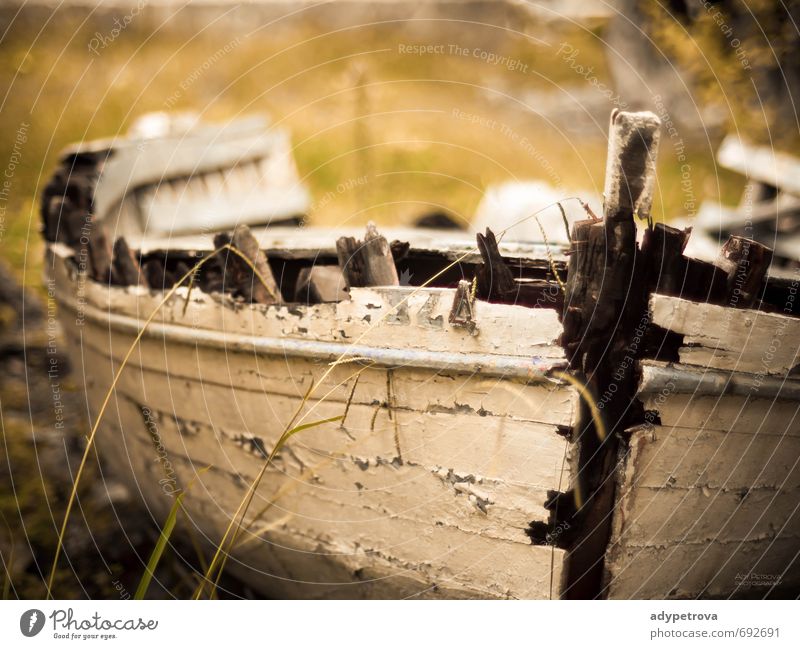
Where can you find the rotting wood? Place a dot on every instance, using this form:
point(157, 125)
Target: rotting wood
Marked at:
point(585, 275)
point(100, 253)
point(667, 270)
point(367, 263)
point(496, 282)
point(66, 207)
point(665, 265)
point(605, 300)
point(125, 268)
point(65, 220)
point(260, 286)
point(746, 263)
point(495, 279)
point(320, 284)
point(156, 276)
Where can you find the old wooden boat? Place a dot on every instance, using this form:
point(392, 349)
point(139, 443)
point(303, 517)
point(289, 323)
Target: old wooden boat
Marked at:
point(508, 420)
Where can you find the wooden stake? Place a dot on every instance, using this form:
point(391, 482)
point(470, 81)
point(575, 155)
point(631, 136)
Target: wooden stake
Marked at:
point(369, 263)
point(126, 271)
point(495, 279)
point(242, 277)
point(665, 265)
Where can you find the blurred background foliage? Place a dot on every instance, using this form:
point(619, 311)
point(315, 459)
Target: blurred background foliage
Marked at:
point(740, 59)
point(357, 105)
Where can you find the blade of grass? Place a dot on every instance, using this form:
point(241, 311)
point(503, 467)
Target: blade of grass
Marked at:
point(599, 425)
point(158, 550)
point(201, 558)
point(188, 294)
point(552, 263)
point(163, 539)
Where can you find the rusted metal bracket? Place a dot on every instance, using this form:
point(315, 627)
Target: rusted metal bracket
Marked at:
point(463, 312)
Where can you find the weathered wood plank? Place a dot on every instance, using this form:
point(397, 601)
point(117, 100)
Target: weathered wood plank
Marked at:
point(494, 447)
point(703, 503)
point(667, 517)
point(708, 570)
point(346, 482)
point(321, 542)
point(685, 458)
point(724, 413)
point(399, 317)
point(418, 389)
point(730, 339)
point(761, 163)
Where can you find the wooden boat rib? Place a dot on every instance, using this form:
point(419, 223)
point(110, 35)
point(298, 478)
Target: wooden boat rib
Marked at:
point(467, 459)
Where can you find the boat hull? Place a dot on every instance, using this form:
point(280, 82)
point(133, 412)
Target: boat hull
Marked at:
point(423, 484)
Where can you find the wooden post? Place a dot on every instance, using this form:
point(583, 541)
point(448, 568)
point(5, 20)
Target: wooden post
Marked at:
point(745, 262)
point(605, 297)
point(665, 265)
point(631, 165)
point(600, 288)
point(242, 277)
point(369, 263)
point(125, 268)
